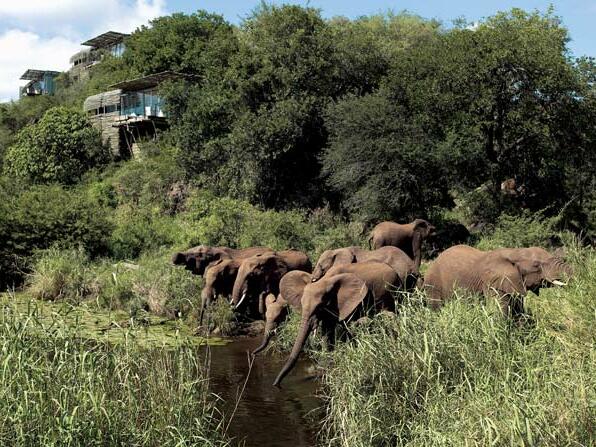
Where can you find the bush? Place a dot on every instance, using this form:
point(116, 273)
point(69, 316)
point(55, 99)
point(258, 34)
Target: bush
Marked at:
point(60, 389)
point(46, 216)
point(465, 376)
point(145, 183)
point(525, 230)
point(236, 223)
point(60, 274)
point(59, 148)
point(139, 230)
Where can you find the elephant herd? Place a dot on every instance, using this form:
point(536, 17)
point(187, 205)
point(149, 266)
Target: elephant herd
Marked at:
point(349, 283)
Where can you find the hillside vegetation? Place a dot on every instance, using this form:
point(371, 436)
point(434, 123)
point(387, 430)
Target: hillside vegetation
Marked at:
point(303, 132)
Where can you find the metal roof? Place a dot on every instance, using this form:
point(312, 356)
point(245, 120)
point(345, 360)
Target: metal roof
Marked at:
point(37, 75)
point(105, 39)
point(151, 80)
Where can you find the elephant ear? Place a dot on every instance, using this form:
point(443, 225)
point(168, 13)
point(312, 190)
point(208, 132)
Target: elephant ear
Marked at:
point(505, 277)
point(350, 292)
point(274, 267)
point(292, 286)
point(178, 258)
point(344, 256)
point(273, 306)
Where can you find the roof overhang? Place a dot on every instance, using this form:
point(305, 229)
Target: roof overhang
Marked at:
point(105, 39)
point(37, 75)
point(152, 80)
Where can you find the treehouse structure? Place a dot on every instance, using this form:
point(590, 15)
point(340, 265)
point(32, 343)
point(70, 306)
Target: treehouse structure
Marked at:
point(41, 82)
point(110, 42)
point(132, 111)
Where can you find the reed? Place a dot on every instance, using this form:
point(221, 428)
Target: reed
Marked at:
point(466, 376)
point(60, 388)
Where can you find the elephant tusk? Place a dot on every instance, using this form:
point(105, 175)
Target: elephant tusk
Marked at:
point(240, 302)
point(559, 283)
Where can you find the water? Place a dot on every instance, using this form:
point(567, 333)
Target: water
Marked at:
point(266, 416)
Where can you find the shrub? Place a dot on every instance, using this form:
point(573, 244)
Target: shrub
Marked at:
point(46, 216)
point(61, 389)
point(465, 376)
point(525, 230)
point(146, 182)
point(139, 230)
point(236, 223)
point(60, 274)
point(59, 148)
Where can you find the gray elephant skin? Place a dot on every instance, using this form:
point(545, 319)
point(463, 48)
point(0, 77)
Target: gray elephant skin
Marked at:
point(260, 275)
point(291, 287)
point(219, 281)
point(506, 273)
point(343, 294)
point(393, 256)
point(198, 259)
point(408, 237)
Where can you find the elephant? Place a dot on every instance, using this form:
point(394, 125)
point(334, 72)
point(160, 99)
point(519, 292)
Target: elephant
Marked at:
point(393, 256)
point(198, 259)
point(260, 275)
point(359, 288)
point(219, 280)
point(507, 273)
point(408, 237)
point(276, 308)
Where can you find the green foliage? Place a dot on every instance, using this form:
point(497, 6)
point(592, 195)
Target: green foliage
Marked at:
point(60, 274)
point(527, 230)
point(464, 375)
point(46, 216)
point(380, 160)
point(200, 43)
point(59, 148)
point(138, 230)
point(61, 389)
point(150, 285)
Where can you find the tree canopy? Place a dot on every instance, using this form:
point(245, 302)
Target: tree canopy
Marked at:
point(59, 148)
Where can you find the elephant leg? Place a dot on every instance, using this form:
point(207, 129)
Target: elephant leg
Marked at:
point(512, 305)
point(262, 303)
point(328, 329)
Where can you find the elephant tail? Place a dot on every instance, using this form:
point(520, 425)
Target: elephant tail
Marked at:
point(370, 241)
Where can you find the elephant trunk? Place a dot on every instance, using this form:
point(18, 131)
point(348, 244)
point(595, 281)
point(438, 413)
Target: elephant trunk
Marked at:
point(239, 289)
point(266, 338)
point(306, 326)
point(206, 295)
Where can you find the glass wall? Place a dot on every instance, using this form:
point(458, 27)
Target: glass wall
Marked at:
point(117, 50)
point(144, 103)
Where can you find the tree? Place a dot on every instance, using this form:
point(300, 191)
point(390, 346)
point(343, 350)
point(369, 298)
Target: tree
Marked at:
point(490, 103)
point(381, 160)
point(200, 44)
point(59, 148)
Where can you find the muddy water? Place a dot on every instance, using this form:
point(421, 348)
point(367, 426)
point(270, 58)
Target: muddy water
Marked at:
point(266, 416)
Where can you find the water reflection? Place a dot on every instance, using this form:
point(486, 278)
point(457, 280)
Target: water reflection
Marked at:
point(265, 416)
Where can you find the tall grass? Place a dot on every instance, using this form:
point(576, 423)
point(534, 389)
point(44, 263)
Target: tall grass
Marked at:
point(60, 389)
point(466, 376)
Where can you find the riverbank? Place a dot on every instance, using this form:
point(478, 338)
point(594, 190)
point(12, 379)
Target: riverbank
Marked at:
point(466, 376)
point(81, 376)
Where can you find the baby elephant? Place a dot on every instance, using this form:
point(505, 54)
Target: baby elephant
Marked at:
point(507, 273)
point(291, 287)
point(342, 297)
point(219, 281)
point(408, 237)
point(395, 257)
